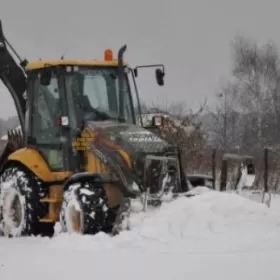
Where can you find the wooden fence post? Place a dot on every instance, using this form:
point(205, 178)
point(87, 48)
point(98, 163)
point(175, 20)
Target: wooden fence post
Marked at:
point(266, 169)
point(214, 168)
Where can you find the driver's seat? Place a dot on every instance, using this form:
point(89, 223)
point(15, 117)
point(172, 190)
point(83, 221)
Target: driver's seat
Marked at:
point(84, 103)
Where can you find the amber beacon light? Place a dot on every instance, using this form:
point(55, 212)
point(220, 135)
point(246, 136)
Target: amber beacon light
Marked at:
point(108, 55)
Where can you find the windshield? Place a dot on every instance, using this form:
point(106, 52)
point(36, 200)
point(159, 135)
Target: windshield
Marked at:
point(95, 94)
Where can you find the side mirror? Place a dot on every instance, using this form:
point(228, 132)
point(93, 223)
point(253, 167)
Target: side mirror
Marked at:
point(45, 77)
point(159, 77)
point(160, 73)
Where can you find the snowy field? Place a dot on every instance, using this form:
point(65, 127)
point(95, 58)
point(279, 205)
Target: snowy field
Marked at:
point(212, 236)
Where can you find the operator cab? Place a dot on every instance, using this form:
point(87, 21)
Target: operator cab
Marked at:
point(64, 95)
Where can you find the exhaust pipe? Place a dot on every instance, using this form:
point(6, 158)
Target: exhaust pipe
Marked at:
point(121, 76)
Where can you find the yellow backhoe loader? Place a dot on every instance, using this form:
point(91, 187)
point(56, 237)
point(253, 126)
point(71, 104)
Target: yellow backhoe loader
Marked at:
point(81, 157)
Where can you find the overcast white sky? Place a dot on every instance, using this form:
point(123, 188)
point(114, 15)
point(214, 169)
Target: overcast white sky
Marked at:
point(191, 37)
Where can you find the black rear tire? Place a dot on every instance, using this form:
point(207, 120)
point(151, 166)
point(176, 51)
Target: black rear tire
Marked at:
point(20, 209)
point(89, 203)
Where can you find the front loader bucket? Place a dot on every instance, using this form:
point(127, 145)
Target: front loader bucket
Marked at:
point(14, 142)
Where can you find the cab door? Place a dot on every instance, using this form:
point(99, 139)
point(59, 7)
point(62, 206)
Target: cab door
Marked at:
point(46, 134)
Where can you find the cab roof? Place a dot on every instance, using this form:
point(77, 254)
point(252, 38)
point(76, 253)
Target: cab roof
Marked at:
point(40, 64)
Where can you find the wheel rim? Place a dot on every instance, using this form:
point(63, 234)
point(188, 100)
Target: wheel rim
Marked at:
point(17, 211)
point(13, 212)
point(74, 218)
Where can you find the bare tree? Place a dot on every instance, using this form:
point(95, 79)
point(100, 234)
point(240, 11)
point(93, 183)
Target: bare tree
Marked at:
point(256, 72)
point(225, 126)
point(248, 111)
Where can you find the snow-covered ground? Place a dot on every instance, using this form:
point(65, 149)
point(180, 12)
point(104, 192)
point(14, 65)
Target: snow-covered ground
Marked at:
point(211, 236)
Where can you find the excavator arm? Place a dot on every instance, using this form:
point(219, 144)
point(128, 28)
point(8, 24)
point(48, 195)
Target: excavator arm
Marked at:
point(13, 75)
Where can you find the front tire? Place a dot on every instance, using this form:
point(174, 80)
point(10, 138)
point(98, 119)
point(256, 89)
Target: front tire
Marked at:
point(85, 210)
point(20, 209)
